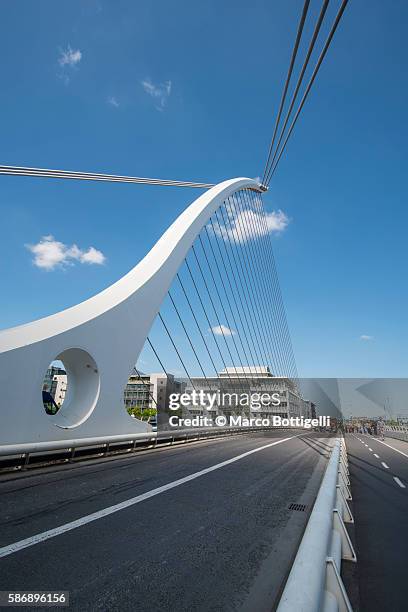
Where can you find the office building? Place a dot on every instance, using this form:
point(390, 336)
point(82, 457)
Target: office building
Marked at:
point(151, 390)
point(234, 383)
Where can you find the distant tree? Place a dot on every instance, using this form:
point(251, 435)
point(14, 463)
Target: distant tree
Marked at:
point(148, 413)
point(141, 414)
point(135, 411)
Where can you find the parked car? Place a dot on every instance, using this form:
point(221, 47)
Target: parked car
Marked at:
point(153, 422)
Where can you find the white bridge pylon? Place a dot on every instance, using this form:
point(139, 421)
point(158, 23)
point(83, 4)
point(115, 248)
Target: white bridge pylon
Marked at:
point(98, 340)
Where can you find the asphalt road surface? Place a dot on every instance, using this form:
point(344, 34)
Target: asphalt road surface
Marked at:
point(379, 483)
point(220, 540)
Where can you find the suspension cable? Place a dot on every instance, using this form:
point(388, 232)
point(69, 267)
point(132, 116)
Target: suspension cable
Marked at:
point(197, 323)
point(260, 300)
point(273, 284)
point(285, 89)
point(275, 292)
point(249, 287)
point(157, 356)
point(225, 291)
point(220, 326)
point(299, 82)
point(257, 258)
point(238, 310)
point(270, 289)
point(94, 176)
point(188, 336)
point(279, 293)
point(146, 385)
point(222, 307)
point(206, 316)
point(176, 349)
point(255, 343)
point(309, 86)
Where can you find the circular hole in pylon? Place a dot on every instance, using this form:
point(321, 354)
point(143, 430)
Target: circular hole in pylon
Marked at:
point(71, 388)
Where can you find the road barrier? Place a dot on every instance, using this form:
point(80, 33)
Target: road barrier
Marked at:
point(21, 456)
point(397, 432)
point(314, 583)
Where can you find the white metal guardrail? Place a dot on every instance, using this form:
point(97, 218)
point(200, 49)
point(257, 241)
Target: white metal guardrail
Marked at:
point(35, 447)
point(48, 451)
point(314, 583)
point(399, 432)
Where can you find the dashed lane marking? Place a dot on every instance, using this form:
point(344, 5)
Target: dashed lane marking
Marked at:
point(399, 483)
point(393, 448)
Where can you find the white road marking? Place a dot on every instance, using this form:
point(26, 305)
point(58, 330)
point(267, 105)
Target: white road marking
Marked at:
point(370, 449)
point(52, 533)
point(385, 465)
point(401, 484)
point(393, 448)
point(375, 455)
point(366, 445)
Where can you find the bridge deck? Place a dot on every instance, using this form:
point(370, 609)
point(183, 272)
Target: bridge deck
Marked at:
point(225, 540)
point(380, 511)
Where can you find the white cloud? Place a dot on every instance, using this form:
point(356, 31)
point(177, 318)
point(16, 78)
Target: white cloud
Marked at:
point(92, 256)
point(113, 101)
point(69, 57)
point(50, 253)
point(366, 338)
point(276, 221)
point(222, 330)
point(160, 92)
point(246, 224)
point(68, 60)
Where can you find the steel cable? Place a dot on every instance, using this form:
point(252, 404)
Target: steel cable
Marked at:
point(288, 77)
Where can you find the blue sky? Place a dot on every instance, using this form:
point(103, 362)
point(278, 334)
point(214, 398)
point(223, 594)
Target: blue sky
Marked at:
point(188, 90)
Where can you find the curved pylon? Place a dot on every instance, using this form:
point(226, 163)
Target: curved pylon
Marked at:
point(99, 341)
